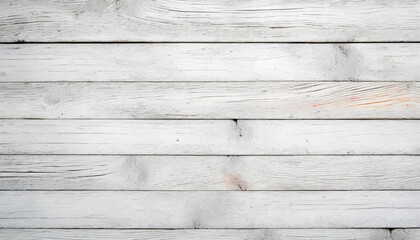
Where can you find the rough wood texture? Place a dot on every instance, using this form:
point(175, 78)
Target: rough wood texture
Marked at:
point(126, 119)
point(131, 209)
point(203, 234)
point(209, 62)
point(215, 20)
point(210, 100)
point(406, 234)
point(203, 137)
point(209, 172)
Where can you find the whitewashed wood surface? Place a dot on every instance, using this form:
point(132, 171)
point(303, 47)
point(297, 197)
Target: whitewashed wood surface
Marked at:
point(406, 234)
point(202, 209)
point(209, 137)
point(215, 20)
point(131, 172)
point(211, 100)
point(212, 234)
point(210, 119)
point(209, 62)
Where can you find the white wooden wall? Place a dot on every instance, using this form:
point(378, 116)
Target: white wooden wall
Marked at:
point(210, 119)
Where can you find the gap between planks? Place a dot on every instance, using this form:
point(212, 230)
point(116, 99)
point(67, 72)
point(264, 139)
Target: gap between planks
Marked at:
point(204, 191)
point(212, 119)
point(213, 42)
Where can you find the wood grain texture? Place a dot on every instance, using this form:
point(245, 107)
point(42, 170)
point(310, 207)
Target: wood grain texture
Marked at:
point(204, 234)
point(209, 62)
point(221, 137)
point(406, 234)
point(131, 209)
point(216, 20)
point(210, 100)
point(218, 119)
point(19, 172)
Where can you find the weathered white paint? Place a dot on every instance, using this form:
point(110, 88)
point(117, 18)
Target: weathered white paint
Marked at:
point(211, 100)
point(204, 234)
point(215, 20)
point(113, 86)
point(57, 172)
point(212, 137)
point(281, 209)
point(209, 62)
point(406, 234)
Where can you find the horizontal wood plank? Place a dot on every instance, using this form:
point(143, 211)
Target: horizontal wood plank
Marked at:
point(215, 20)
point(78, 172)
point(209, 62)
point(131, 209)
point(210, 100)
point(202, 137)
point(204, 234)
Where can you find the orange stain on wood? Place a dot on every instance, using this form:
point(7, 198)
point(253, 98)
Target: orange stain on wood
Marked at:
point(388, 98)
point(384, 103)
point(377, 102)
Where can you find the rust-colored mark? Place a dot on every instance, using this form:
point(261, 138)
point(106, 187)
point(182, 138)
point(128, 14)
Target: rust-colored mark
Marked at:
point(383, 103)
point(317, 105)
point(377, 102)
point(387, 96)
point(234, 183)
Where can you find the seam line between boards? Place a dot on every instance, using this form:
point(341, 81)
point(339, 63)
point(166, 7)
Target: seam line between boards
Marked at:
point(208, 42)
point(225, 191)
point(224, 81)
point(356, 228)
point(205, 155)
point(207, 119)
